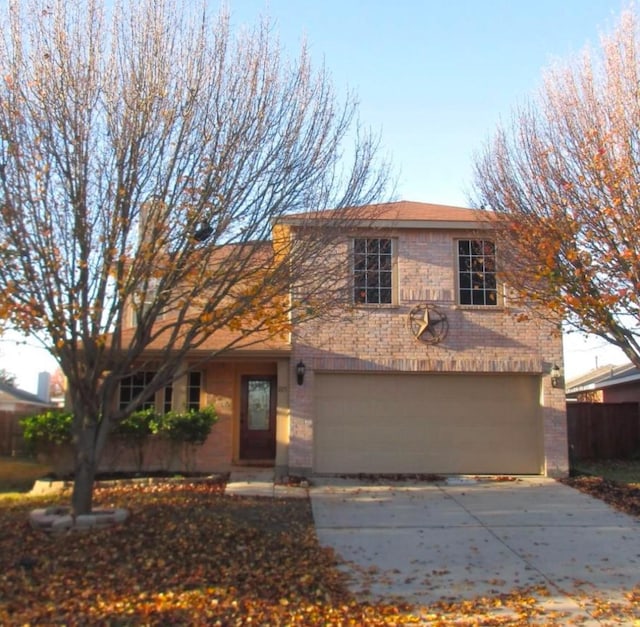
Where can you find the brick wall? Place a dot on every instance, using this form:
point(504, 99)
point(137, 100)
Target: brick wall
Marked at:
point(488, 340)
point(215, 455)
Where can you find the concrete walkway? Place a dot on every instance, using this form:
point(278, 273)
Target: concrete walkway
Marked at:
point(250, 481)
point(463, 539)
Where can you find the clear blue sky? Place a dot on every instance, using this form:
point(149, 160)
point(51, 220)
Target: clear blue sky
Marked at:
point(434, 77)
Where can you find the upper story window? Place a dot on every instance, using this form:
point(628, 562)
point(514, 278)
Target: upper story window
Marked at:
point(477, 272)
point(372, 271)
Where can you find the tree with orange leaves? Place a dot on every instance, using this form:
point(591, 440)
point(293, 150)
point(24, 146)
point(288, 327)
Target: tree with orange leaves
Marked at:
point(564, 179)
point(145, 154)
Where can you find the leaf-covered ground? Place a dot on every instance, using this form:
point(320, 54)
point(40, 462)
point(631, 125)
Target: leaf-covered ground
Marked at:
point(189, 555)
point(622, 496)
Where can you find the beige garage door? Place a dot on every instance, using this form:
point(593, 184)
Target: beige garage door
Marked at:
point(402, 423)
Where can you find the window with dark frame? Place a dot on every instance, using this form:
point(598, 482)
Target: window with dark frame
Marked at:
point(477, 283)
point(372, 271)
point(132, 386)
point(194, 384)
point(168, 397)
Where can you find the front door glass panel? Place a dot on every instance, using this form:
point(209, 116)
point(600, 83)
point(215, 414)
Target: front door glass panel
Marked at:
point(258, 417)
point(258, 404)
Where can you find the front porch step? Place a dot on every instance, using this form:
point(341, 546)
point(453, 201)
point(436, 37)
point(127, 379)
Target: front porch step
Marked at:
point(253, 481)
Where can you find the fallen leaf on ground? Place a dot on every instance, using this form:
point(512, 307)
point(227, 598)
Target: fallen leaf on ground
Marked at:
point(188, 554)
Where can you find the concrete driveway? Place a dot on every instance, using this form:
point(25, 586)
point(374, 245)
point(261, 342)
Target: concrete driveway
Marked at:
point(464, 538)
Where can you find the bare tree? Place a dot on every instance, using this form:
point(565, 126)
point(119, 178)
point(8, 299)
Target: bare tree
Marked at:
point(7, 377)
point(145, 155)
point(564, 179)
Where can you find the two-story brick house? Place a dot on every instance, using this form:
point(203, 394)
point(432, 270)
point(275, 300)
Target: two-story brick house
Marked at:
point(429, 370)
point(385, 392)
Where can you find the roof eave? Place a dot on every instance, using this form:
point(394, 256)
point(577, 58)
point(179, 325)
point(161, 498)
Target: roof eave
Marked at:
point(598, 385)
point(461, 225)
point(225, 354)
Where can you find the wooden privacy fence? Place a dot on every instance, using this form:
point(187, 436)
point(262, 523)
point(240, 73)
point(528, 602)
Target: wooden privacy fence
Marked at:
point(603, 430)
point(10, 432)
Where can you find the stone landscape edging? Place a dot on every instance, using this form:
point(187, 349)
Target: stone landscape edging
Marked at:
point(58, 486)
point(57, 519)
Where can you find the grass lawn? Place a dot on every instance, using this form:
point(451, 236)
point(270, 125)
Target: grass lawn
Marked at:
point(623, 471)
point(18, 475)
point(616, 482)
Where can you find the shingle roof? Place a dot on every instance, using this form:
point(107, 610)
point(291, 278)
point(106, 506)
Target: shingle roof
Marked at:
point(604, 376)
point(402, 211)
point(401, 214)
point(221, 339)
point(20, 395)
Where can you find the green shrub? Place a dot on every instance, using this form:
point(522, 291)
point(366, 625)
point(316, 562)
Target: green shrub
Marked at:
point(133, 433)
point(191, 427)
point(137, 426)
point(46, 429)
point(184, 431)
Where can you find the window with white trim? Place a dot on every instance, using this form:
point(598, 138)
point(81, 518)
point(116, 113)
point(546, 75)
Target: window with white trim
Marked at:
point(133, 385)
point(167, 398)
point(194, 384)
point(477, 283)
point(373, 271)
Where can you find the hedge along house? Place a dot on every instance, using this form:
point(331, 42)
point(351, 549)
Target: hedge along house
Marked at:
point(427, 370)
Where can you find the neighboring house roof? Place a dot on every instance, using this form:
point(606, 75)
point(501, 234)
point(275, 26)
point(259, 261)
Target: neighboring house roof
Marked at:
point(603, 377)
point(406, 214)
point(10, 393)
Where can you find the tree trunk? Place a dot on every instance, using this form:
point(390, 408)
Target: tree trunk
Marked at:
point(86, 457)
point(85, 472)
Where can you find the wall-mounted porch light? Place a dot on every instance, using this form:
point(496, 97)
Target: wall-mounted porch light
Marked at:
point(300, 370)
point(556, 376)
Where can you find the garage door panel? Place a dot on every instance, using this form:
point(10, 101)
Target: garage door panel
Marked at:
point(427, 423)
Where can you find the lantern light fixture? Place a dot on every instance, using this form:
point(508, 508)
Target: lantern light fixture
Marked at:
point(300, 370)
